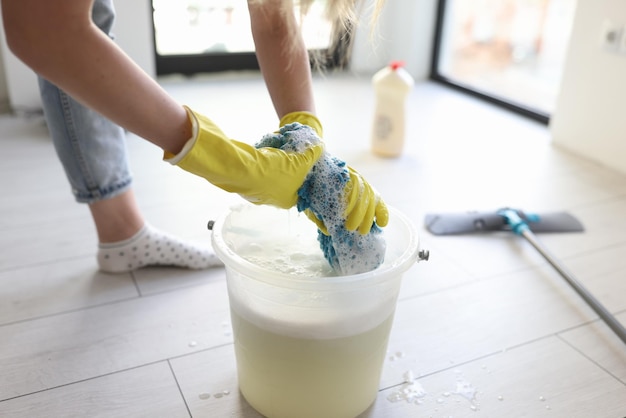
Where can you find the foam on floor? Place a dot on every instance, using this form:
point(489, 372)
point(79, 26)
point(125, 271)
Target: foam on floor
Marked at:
point(348, 252)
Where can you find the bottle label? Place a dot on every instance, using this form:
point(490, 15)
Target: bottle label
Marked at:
point(383, 126)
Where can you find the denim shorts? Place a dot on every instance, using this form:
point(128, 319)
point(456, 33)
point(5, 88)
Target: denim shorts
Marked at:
point(92, 149)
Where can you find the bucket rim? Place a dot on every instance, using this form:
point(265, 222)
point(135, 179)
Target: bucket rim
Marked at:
point(234, 261)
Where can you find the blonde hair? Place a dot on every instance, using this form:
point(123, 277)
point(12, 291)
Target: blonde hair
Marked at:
point(343, 17)
point(341, 12)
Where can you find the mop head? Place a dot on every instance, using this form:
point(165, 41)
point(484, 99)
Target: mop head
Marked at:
point(348, 252)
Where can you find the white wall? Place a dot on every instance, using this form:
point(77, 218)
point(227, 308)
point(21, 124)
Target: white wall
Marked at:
point(589, 118)
point(20, 84)
point(133, 32)
point(4, 93)
point(404, 32)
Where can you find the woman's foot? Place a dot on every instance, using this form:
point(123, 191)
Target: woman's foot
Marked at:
point(151, 247)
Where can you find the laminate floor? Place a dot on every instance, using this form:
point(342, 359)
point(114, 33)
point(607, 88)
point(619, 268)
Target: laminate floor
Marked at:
point(486, 326)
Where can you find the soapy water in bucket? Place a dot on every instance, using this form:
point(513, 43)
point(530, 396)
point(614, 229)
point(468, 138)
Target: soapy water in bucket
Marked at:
point(298, 255)
point(283, 376)
point(277, 250)
point(347, 252)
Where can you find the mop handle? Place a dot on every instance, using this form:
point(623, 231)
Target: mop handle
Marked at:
point(521, 228)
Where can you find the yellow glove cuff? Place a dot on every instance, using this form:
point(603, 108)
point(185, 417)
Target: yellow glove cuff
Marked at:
point(305, 118)
point(174, 159)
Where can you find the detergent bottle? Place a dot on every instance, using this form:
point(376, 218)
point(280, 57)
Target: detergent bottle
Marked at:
point(391, 85)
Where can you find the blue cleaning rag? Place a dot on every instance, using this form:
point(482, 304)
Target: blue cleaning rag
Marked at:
point(348, 252)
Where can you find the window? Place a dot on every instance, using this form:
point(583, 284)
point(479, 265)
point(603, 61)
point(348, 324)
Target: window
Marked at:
point(507, 51)
point(194, 36)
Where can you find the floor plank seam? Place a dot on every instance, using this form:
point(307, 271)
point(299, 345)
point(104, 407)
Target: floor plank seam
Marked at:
point(593, 251)
point(581, 325)
point(181, 288)
point(475, 359)
point(474, 280)
point(68, 311)
point(46, 263)
point(83, 380)
point(99, 305)
point(623, 382)
point(169, 364)
point(591, 204)
point(137, 288)
point(438, 291)
point(204, 350)
point(521, 269)
point(121, 371)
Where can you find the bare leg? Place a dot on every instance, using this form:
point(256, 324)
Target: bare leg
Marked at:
point(117, 218)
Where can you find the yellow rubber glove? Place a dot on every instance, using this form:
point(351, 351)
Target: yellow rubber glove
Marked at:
point(305, 118)
point(266, 176)
point(364, 204)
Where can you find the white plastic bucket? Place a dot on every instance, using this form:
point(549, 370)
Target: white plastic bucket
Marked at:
point(307, 345)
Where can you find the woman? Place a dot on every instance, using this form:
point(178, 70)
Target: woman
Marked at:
point(92, 90)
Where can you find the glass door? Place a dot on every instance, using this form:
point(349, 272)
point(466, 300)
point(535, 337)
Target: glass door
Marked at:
point(193, 36)
point(510, 52)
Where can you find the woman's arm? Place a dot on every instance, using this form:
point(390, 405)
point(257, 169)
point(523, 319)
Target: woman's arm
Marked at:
point(282, 55)
point(58, 40)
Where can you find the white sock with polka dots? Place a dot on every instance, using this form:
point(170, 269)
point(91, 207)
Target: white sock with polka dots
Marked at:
point(151, 247)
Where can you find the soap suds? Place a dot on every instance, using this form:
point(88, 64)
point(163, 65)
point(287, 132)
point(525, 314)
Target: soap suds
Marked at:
point(348, 252)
